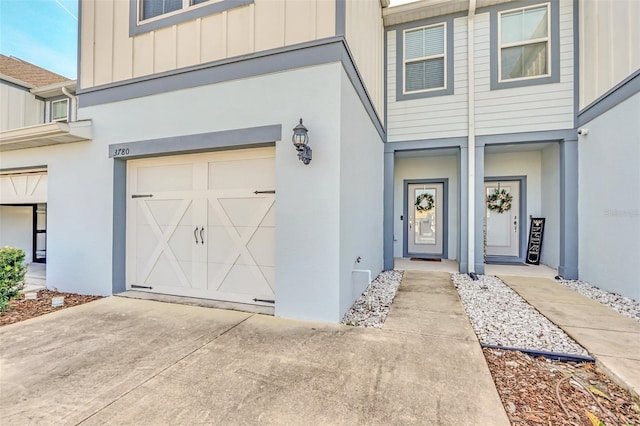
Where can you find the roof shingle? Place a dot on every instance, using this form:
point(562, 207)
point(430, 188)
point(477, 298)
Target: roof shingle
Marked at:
point(27, 72)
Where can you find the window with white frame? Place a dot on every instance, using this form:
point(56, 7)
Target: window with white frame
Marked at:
point(59, 110)
point(153, 8)
point(524, 43)
point(425, 65)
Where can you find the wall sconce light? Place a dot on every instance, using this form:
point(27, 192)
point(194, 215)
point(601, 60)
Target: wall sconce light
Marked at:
point(300, 141)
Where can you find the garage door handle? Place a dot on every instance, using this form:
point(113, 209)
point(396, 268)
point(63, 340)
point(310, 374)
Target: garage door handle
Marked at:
point(195, 234)
point(201, 238)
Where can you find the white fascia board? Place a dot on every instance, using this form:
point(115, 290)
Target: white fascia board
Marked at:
point(422, 9)
point(45, 134)
point(54, 89)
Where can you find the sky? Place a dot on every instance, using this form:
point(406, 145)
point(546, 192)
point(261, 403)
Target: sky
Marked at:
point(44, 32)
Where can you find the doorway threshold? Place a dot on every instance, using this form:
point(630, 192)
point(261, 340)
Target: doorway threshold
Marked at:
point(444, 265)
point(521, 270)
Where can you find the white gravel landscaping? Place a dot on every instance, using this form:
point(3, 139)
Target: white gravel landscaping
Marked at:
point(372, 307)
point(501, 317)
point(626, 306)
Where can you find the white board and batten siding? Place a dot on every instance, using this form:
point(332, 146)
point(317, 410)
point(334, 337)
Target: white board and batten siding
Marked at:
point(433, 117)
point(109, 54)
point(365, 36)
point(610, 45)
point(19, 108)
point(532, 108)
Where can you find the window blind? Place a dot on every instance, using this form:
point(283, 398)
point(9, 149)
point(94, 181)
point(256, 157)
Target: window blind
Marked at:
point(424, 42)
point(152, 8)
point(422, 75)
point(424, 59)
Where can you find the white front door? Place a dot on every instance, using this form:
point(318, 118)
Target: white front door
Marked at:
point(203, 225)
point(425, 219)
point(503, 227)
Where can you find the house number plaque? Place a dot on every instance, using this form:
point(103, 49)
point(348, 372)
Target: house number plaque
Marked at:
point(120, 152)
point(534, 246)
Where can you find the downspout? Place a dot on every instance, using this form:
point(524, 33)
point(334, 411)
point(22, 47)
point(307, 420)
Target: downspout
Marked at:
point(471, 140)
point(74, 104)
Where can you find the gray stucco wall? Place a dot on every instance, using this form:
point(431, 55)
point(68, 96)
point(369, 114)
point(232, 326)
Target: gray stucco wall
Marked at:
point(609, 200)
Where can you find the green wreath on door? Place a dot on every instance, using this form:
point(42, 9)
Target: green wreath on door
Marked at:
point(420, 202)
point(499, 201)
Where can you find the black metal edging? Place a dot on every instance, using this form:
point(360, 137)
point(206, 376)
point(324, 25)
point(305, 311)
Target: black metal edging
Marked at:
point(549, 355)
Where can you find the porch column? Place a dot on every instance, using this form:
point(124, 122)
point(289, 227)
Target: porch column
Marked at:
point(387, 220)
point(119, 243)
point(479, 210)
point(463, 202)
point(568, 267)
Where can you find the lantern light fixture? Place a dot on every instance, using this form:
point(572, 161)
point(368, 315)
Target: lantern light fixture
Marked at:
point(301, 142)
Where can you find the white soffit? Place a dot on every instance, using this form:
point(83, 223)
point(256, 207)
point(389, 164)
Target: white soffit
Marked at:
point(425, 9)
point(45, 134)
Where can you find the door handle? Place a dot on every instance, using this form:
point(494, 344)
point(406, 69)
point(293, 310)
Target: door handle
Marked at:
point(201, 238)
point(515, 224)
point(195, 234)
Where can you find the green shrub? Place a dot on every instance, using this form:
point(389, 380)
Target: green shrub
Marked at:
point(12, 272)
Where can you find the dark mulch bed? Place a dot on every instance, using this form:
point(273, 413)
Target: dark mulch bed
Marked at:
point(22, 309)
point(536, 391)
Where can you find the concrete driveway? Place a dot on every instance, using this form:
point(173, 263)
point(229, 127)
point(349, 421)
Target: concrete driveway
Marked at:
point(126, 361)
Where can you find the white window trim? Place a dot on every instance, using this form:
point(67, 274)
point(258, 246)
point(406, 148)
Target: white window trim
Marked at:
point(66, 117)
point(546, 39)
point(424, 58)
point(186, 5)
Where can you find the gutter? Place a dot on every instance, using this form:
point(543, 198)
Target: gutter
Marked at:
point(56, 132)
point(471, 142)
point(74, 104)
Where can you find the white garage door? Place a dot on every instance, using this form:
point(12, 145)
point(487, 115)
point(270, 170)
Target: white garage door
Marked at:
point(203, 225)
point(27, 187)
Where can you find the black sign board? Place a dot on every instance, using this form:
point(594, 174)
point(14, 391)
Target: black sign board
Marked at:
point(535, 240)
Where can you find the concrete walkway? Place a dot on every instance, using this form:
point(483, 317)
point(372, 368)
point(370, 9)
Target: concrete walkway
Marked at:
point(427, 305)
point(124, 361)
point(36, 277)
point(611, 338)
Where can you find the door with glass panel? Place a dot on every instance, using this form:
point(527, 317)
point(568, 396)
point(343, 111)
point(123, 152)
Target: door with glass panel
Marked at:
point(502, 216)
point(425, 219)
